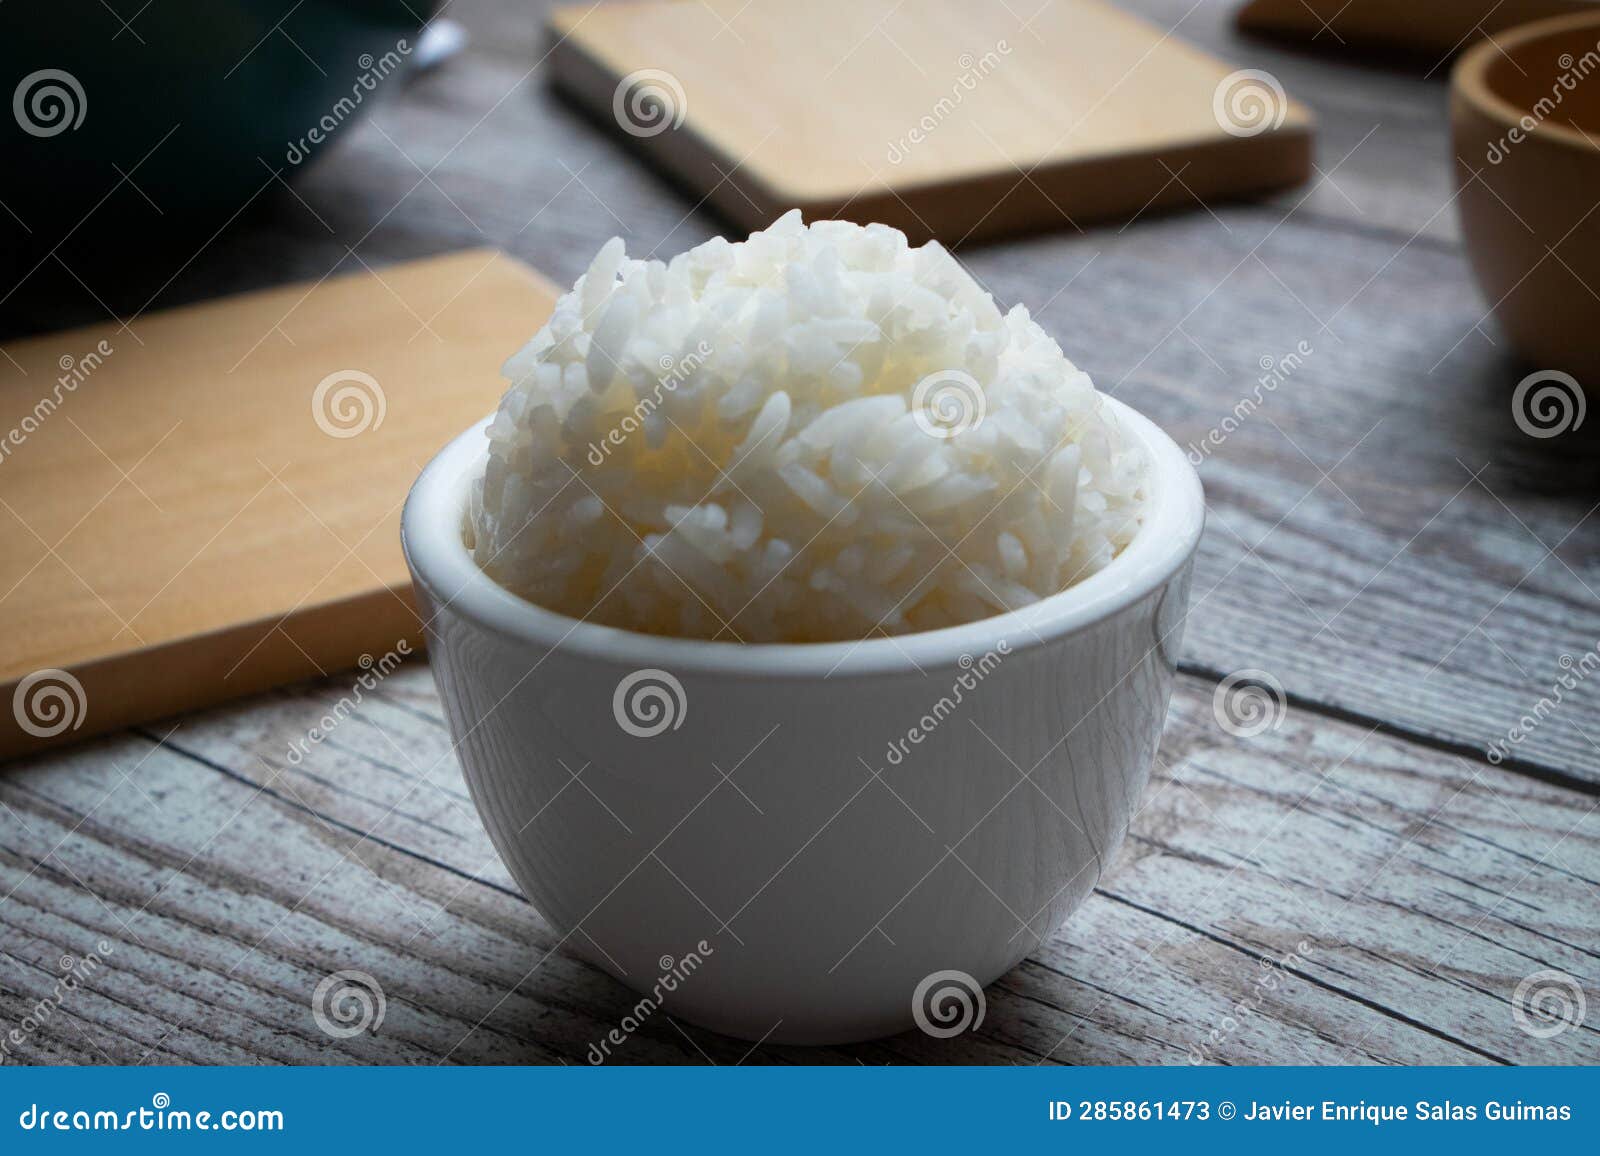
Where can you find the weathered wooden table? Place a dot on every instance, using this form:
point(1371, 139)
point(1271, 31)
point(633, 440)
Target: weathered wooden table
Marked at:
point(1359, 883)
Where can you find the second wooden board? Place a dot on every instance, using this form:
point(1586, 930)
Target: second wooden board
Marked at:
point(205, 502)
point(955, 119)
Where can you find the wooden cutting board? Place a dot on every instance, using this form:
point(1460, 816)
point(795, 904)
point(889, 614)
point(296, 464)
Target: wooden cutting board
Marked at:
point(1431, 28)
point(947, 118)
point(207, 503)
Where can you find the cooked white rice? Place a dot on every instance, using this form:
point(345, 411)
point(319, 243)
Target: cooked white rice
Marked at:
point(820, 433)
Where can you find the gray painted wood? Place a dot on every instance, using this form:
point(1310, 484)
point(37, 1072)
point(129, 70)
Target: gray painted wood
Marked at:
point(1383, 541)
point(1362, 900)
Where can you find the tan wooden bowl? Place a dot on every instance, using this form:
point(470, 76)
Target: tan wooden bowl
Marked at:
point(1525, 112)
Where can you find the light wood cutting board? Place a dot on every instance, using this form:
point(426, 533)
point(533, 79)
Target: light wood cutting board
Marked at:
point(188, 514)
point(947, 118)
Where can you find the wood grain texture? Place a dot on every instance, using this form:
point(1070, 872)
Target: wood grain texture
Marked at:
point(1317, 894)
point(1173, 312)
point(1447, 603)
point(930, 112)
point(209, 505)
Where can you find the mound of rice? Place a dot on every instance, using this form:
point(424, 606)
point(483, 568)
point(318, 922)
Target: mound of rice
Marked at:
point(820, 433)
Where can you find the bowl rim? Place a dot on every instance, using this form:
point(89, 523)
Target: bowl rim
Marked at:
point(1469, 78)
point(441, 564)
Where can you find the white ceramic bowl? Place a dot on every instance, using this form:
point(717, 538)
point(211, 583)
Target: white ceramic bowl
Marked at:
point(771, 852)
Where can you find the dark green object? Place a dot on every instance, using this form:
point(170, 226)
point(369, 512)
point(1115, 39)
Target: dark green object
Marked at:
point(187, 108)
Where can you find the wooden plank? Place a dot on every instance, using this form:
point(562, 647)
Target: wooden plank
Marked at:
point(933, 112)
point(1383, 138)
point(1384, 538)
point(211, 506)
point(1409, 893)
